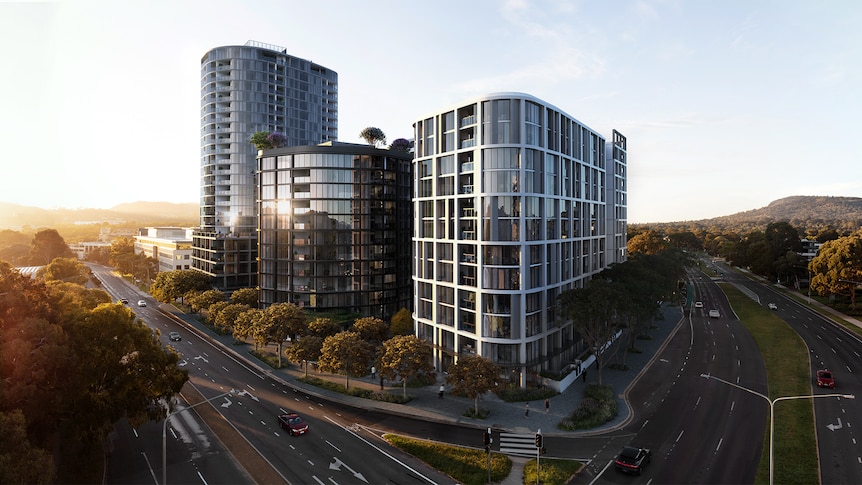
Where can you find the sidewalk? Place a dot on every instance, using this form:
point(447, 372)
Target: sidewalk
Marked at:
point(503, 416)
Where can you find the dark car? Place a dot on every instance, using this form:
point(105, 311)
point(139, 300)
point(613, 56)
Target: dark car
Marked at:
point(293, 424)
point(124, 301)
point(175, 336)
point(633, 460)
point(825, 379)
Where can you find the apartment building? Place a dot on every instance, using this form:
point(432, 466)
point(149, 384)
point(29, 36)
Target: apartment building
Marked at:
point(514, 202)
point(335, 227)
point(246, 89)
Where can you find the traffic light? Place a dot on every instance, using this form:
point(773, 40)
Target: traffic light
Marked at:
point(538, 440)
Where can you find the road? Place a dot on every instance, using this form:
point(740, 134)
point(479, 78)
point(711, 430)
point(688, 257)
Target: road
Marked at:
point(833, 347)
point(340, 448)
point(694, 427)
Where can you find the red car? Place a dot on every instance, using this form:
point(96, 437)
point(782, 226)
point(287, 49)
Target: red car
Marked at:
point(825, 379)
point(293, 424)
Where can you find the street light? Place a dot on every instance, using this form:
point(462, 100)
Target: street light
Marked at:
point(165, 432)
point(772, 411)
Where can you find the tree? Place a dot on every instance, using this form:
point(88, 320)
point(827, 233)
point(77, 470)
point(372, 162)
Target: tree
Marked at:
point(472, 376)
point(246, 296)
point(228, 315)
point(47, 245)
point(345, 353)
point(265, 140)
point(373, 136)
point(594, 311)
point(403, 357)
point(837, 268)
point(245, 324)
point(171, 285)
point(402, 323)
point(214, 310)
point(648, 242)
point(306, 349)
point(371, 329)
point(21, 462)
point(65, 269)
point(204, 299)
point(283, 321)
point(323, 327)
point(120, 370)
point(401, 145)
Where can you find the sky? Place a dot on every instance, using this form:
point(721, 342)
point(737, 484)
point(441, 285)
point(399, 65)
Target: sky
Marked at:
point(727, 105)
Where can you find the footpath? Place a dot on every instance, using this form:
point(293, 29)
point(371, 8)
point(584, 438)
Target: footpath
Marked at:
point(517, 417)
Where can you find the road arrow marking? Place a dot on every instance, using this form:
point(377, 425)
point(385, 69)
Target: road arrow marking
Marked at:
point(202, 358)
point(226, 404)
point(338, 464)
point(833, 427)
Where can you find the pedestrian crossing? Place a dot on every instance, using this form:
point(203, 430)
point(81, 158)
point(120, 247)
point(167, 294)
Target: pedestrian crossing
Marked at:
point(518, 444)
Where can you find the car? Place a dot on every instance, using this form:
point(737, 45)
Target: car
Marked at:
point(124, 301)
point(825, 379)
point(142, 303)
point(175, 336)
point(293, 424)
point(772, 306)
point(698, 304)
point(633, 459)
point(714, 314)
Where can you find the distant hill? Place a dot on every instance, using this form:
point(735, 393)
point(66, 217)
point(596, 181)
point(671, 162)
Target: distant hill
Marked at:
point(809, 214)
point(16, 217)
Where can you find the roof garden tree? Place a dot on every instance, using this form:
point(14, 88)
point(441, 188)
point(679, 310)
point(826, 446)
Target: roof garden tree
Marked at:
point(404, 357)
point(401, 145)
point(266, 140)
point(373, 136)
point(472, 376)
point(346, 353)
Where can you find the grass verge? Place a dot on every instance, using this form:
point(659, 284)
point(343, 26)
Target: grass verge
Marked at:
point(466, 465)
point(788, 374)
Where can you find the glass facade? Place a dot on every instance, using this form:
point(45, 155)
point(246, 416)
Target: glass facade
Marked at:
point(515, 202)
point(335, 225)
point(246, 89)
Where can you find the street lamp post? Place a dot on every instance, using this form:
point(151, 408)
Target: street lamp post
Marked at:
point(772, 412)
point(165, 432)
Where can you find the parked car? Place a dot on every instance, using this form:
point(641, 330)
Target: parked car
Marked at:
point(714, 314)
point(293, 424)
point(772, 306)
point(175, 336)
point(698, 304)
point(632, 459)
point(142, 303)
point(825, 379)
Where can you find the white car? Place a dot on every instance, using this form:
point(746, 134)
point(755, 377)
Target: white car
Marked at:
point(714, 314)
point(698, 304)
point(772, 306)
point(142, 303)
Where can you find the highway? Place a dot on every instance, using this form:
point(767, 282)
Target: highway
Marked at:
point(833, 347)
point(339, 448)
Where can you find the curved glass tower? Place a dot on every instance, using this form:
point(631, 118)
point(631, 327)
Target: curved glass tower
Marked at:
point(246, 89)
point(335, 226)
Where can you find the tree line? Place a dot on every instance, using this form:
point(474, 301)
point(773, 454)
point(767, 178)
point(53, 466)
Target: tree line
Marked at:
point(72, 363)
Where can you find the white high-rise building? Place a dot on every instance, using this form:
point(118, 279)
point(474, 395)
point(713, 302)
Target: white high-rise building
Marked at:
point(515, 201)
point(246, 89)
